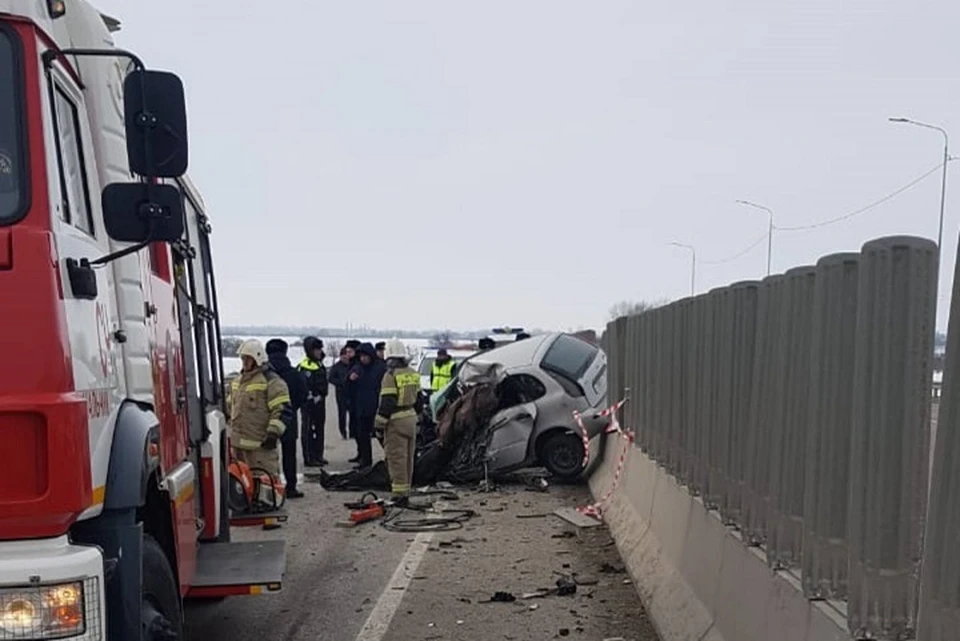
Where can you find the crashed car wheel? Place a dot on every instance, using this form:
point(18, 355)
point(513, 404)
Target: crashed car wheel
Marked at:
point(562, 455)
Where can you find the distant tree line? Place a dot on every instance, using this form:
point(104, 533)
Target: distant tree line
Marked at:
point(365, 332)
point(633, 307)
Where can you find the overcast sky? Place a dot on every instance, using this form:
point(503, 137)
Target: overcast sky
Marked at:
point(469, 164)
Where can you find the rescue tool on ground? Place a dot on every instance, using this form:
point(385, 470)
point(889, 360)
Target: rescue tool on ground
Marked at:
point(115, 505)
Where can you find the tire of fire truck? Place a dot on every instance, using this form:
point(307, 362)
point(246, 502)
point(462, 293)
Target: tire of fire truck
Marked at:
point(160, 616)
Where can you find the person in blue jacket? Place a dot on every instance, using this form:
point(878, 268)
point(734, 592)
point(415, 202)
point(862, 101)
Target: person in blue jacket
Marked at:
point(277, 356)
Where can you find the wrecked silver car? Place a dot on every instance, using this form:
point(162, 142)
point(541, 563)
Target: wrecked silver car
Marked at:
point(538, 383)
point(507, 409)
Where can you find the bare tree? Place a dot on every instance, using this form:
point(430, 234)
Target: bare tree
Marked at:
point(632, 307)
point(443, 339)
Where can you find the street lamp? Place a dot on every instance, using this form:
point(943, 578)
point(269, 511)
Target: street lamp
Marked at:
point(693, 265)
point(769, 230)
point(946, 160)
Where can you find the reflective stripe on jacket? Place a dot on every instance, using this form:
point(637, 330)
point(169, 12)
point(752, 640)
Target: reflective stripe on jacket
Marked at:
point(315, 374)
point(257, 403)
point(398, 393)
point(441, 375)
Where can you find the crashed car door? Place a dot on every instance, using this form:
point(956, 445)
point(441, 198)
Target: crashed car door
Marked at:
point(509, 437)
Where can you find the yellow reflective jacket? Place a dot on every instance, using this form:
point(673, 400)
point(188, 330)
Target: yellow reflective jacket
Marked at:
point(398, 394)
point(441, 375)
point(257, 402)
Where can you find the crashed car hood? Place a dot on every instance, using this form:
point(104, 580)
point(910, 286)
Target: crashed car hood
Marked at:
point(474, 372)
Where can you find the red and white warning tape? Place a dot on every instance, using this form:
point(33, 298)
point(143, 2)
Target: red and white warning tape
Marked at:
point(610, 411)
point(596, 509)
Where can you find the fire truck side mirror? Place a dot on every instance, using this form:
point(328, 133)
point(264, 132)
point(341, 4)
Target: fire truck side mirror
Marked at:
point(141, 212)
point(155, 113)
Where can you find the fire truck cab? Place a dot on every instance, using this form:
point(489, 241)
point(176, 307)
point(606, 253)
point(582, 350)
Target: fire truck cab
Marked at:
point(113, 441)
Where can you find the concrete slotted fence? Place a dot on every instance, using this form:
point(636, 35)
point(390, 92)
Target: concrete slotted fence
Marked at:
point(890, 434)
point(825, 549)
point(798, 408)
point(940, 589)
point(788, 434)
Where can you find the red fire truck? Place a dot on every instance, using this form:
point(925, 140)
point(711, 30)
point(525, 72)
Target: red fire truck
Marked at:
point(113, 443)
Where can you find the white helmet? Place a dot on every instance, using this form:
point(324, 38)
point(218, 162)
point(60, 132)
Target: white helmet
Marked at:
point(254, 349)
point(396, 349)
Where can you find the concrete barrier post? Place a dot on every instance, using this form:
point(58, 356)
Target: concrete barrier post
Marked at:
point(940, 571)
point(766, 408)
point(890, 437)
point(665, 361)
point(647, 395)
point(635, 357)
point(743, 342)
point(691, 388)
point(825, 552)
point(657, 385)
point(789, 434)
point(715, 408)
point(724, 356)
point(634, 391)
point(675, 362)
point(615, 355)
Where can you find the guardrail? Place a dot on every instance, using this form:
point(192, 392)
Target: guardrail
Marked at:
point(798, 407)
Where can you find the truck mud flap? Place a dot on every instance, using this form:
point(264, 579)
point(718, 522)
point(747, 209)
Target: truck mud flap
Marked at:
point(260, 518)
point(229, 569)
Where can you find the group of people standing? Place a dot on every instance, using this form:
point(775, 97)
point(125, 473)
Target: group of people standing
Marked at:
point(357, 377)
point(377, 394)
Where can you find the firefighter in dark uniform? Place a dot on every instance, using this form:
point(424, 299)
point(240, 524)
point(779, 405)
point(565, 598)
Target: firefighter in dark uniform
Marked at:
point(314, 411)
point(396, 422)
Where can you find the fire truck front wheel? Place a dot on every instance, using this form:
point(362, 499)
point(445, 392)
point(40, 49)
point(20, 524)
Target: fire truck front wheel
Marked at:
point(160, 617)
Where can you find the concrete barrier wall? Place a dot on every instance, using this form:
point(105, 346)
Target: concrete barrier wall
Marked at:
point(695, 576)
point(757, 503)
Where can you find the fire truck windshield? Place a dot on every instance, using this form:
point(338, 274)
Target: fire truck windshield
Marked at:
point(13, 189)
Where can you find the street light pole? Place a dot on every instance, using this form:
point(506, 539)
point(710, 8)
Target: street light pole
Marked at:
point(946, 161)
point(769, 229)
point(693, 265)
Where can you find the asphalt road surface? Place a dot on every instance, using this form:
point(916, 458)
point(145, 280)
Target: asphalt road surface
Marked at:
point(369, 584)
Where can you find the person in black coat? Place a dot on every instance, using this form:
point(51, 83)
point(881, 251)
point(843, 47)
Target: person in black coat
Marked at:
point(277, 355)
point(315, 409)
point(338, 378)
point(363, 383)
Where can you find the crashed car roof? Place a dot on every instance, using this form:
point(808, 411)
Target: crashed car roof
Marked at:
point(491, 365)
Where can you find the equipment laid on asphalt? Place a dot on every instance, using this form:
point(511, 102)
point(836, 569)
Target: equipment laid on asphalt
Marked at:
point(254, 490)
point(370, 507)
point(111, 398)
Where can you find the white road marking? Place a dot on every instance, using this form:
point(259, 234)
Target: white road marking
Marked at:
point(379, 620)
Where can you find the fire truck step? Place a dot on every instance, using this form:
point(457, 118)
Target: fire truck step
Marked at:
point(262, 518)
point(249, 567)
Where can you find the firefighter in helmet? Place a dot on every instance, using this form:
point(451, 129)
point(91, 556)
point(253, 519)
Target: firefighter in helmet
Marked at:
point(260, 410)
point(396, 422)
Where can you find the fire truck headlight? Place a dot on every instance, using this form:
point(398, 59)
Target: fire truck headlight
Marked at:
point(42, 612)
